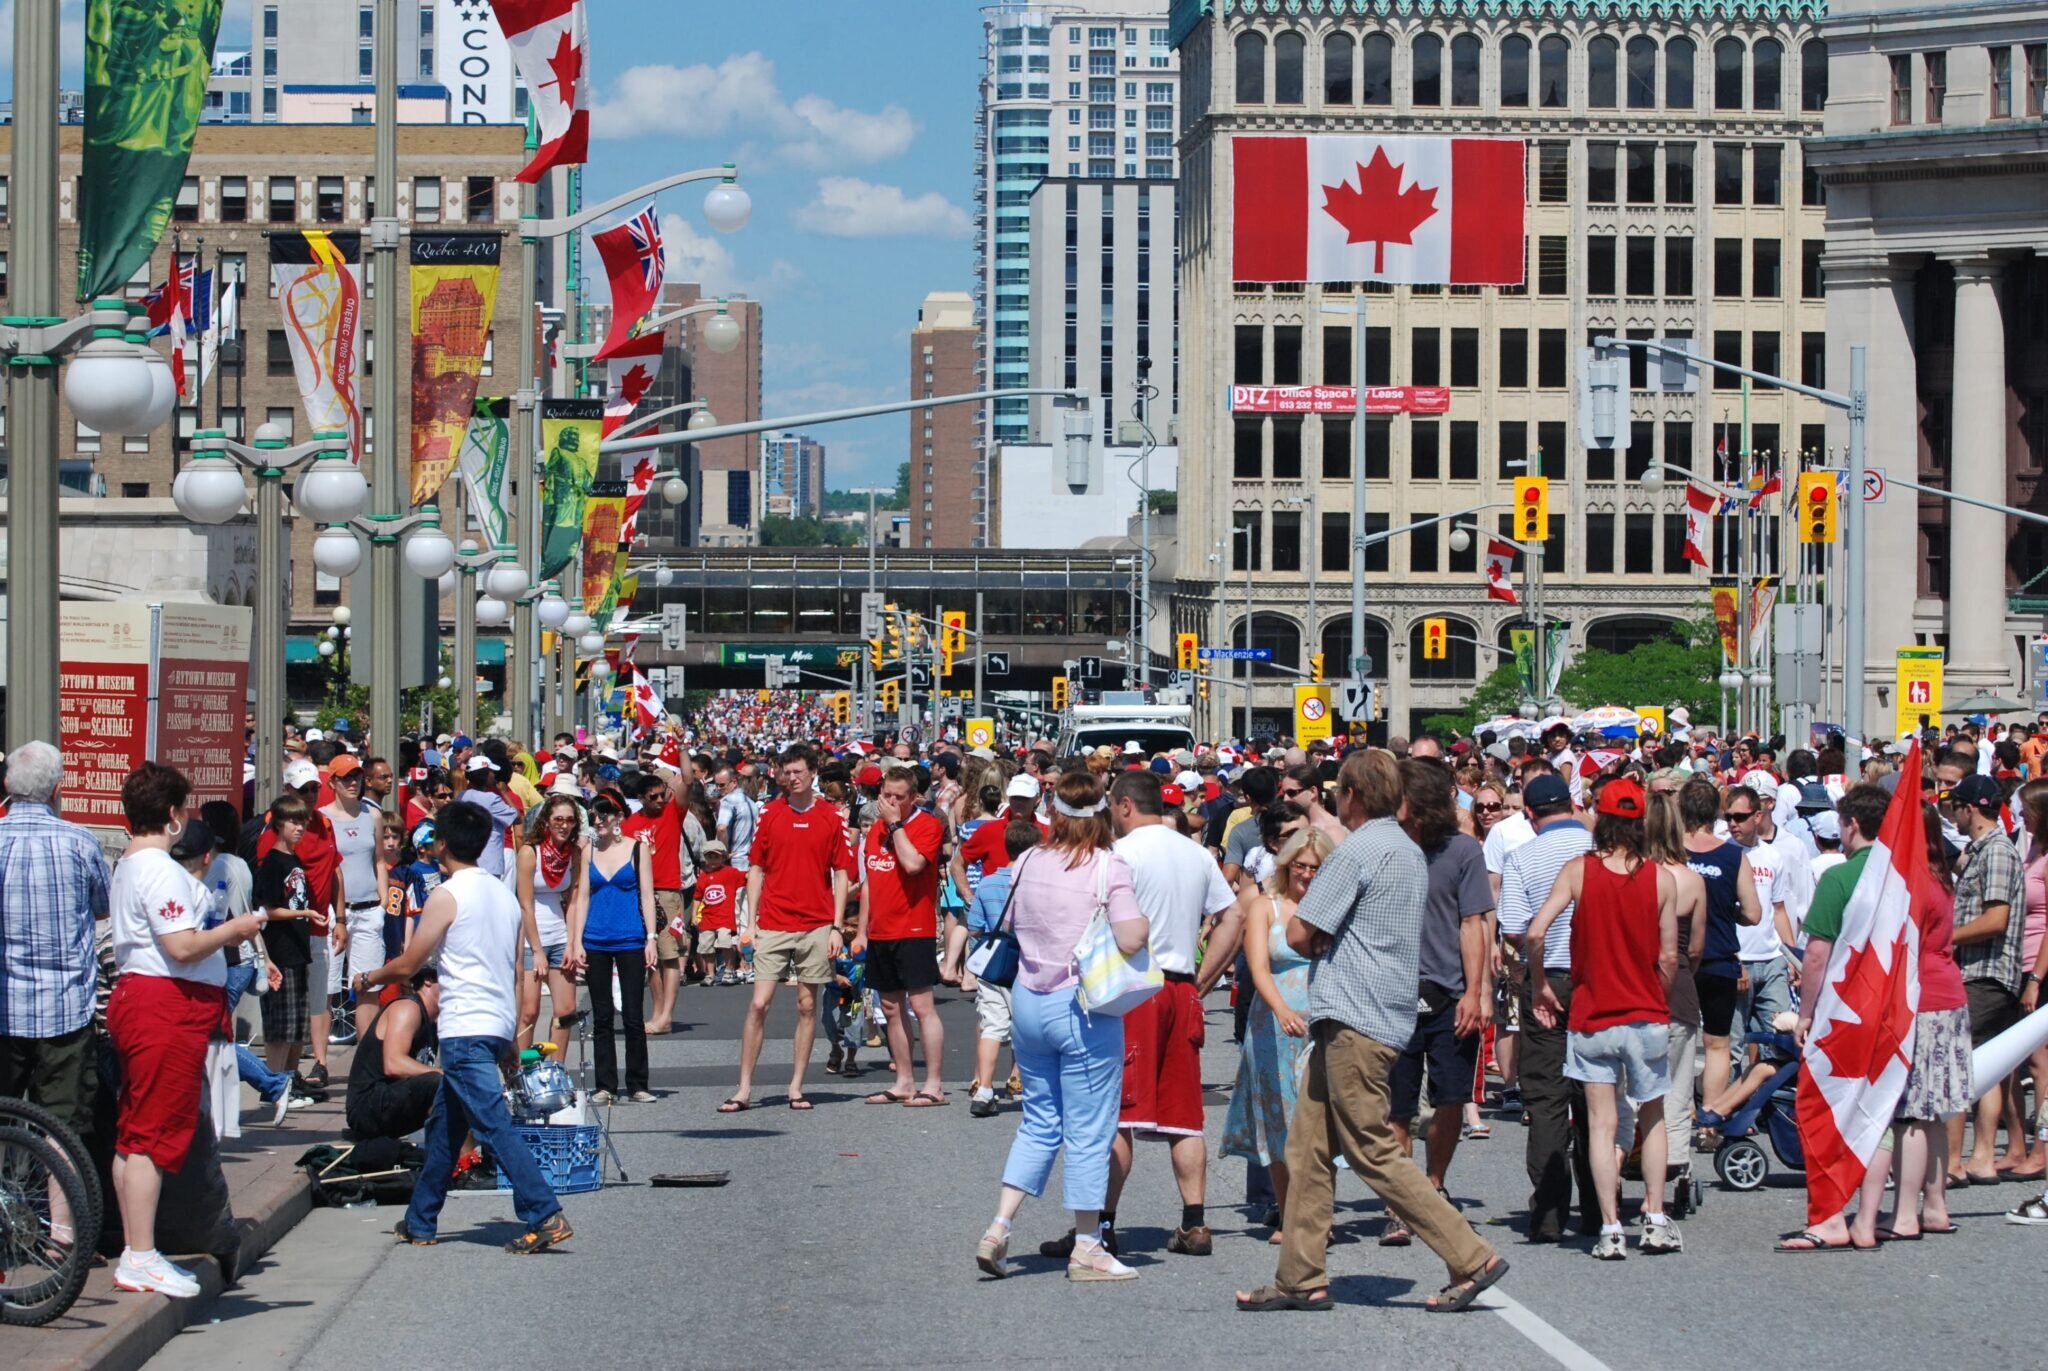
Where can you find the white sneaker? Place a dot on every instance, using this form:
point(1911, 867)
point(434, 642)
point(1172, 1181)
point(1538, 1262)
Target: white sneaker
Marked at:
point(1661, 1237)
point(1610, 1247)
point(279, 1107)
point(156, 1276)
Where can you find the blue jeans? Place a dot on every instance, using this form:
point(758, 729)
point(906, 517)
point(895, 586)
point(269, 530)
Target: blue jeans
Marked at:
point(472, 1099)
point(269, 1084)
point(1073, 1070)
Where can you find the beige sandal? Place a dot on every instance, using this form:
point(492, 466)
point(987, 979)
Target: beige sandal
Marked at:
point(1098, 1265)
point(990, 1252)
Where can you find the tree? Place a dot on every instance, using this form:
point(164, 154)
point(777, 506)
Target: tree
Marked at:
point(1680, 670)
point(805, 532)
point(902, 497)
point(1163, 501)
point(1498, 694)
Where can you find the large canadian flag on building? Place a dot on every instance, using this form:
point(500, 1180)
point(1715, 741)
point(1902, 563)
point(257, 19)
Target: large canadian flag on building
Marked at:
point(1358, 207)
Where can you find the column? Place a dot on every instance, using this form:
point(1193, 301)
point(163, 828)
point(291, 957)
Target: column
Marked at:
point(1977, 537)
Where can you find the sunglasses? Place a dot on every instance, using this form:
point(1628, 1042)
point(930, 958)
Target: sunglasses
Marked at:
point(1489, 809)
point(1742, 818)
point(1304, 868)
point(1290, 794)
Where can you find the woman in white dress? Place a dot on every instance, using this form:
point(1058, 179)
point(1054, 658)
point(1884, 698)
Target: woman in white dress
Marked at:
point(553, 853)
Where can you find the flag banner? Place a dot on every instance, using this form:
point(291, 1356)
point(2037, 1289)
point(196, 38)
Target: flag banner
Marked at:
point(629, 374)
point(549, 39)
point(649, 709)
point(454, 292)
point(1339, 399)
point(1727, 596)
point(1500, 571)
point(162, 301)
point(1359, 207)
point(1761, 486)
point(317, 276)
point(220, 325)
point(635, 266)
point(147, 64)
point(604, 517)
point(1522, 642)
point(485, 462)
point(629, 590)
point(569, 432)
point(1556, 649)
point(639, 482)
point(1860, 1045)
point(1699, 522)
point(1762, 596)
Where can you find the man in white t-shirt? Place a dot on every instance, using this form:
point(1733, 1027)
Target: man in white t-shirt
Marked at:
point(472, 920)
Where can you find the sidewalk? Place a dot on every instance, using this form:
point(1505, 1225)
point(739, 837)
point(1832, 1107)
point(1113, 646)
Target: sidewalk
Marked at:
point(111, 1330)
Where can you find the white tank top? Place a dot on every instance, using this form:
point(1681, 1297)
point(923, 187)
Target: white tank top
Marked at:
point(548, 918)
point(479, 958)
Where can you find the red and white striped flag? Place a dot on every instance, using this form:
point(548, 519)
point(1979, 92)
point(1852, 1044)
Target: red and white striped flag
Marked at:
point(1359, 207)
point(1500, 568)
point(1699, 522)
point(629, 374)
point(1861, 1043)
point(550, 46)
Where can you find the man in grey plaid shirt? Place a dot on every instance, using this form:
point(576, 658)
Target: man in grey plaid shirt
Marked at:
point(1990, 904)
point(1362, 922)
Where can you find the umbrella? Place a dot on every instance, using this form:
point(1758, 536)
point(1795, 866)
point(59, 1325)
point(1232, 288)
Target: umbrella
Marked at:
point(1507, 726)
point(1984, 702)
point(1609, 721)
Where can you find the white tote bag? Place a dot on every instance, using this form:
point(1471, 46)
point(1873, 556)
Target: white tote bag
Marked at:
point(1111, 983)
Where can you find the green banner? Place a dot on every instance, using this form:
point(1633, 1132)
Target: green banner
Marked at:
point(147, 63)
point(569, 433)
point(812, 655)
point(485, 464)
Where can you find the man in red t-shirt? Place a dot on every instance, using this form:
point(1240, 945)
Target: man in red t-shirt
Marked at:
point(899, 930)
point(794, 920)
point(663, 808)
point(720, 888)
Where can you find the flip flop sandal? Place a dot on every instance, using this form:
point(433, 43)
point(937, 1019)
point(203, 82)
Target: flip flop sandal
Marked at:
point(1887, 1235)
point(1819, 1244)
point(1949, 1231)
point(926, 1100)
point(1458, 1297)
point(800, 1103)
point(889, 1097)
point(1268, 1298)
point(735, 1105)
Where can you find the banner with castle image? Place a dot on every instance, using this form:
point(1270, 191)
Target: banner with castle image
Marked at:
point(454, 292)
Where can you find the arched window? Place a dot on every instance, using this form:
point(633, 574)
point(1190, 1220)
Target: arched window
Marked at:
point(1767, 74)
point(1813, 75)
point(1277, 633)
point(1288, 58)
point(1514, 72)
point(1602, 57)
point(1465, 71)
point(1338, 88)
point(1428, 54)
point(1337, 647)
point(1251, 69)
point(1376, 82)
point(1642, 72)
point(1461, 657)
point(1554, 79)
point(1728, 74)
point(1680, 54)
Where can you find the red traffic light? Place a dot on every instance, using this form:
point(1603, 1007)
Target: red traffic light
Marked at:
point(1817, 494)
point(1532, 496)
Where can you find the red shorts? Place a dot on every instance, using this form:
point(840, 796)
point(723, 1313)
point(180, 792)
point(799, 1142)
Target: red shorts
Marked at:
point(1163, 1063)
point(160, 1026)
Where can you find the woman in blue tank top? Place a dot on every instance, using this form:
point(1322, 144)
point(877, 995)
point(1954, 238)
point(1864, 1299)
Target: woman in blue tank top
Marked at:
point(617, 937)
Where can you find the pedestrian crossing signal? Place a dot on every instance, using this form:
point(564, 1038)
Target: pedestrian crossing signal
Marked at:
point(1532, 508)
point(1187, 649)
point(1817, 507)
point(1436, 640)
point(1059, 693)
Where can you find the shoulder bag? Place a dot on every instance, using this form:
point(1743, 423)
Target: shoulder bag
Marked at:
point(1112, 983)
point(995, 961)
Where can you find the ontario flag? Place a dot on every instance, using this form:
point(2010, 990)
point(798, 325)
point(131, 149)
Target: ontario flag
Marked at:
point(629, 374)
point(549, 45)
point(1699, 522)
point(1500, 567)
point(1860, 1045)
point(636, 267)
point(1357, 207)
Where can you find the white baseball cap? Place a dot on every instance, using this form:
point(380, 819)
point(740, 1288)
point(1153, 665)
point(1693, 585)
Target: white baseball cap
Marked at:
point(1189, 781)
point(479, 762)
point(301, 773)
point(1023, 787)
point(314, 735)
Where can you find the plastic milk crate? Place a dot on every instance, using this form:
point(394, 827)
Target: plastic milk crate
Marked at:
point(567, 1153)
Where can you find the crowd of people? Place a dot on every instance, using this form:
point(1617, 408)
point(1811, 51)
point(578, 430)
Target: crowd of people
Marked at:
point(1622, 933)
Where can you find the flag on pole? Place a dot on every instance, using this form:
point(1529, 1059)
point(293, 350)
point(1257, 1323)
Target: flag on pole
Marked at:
point(649, 709)
point(634, 264)
point(1500, 565)
point(224, 324)
point(639, 482)
point(161, 300)
point(1699, 522)
point(1860, 1045)
point(629, 374)
point(183, 284)
point(549, 40)
point(1761, 486)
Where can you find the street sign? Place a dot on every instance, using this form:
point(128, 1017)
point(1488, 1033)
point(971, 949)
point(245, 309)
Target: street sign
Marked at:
point(1361, 667)
point(1311, 713)
point(1355, 699)
point(1917, 696)
point(981, 732)
point(1181, 680)
point(1091, 669)
point(910, 734)
point(1652, 717)
point(996, 663)
point(1873, 485)
point(813, 656)
point(1234, 654)
point(672, 628)
point(920, 676)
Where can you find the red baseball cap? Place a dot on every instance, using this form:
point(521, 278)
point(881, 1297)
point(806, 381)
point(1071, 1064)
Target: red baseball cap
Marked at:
point(1623, 799)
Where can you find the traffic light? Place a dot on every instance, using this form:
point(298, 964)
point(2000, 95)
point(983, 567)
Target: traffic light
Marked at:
point(1532, 508)
point(954, 641)
point(1059, 693)
point(1817, 507)
point(875, 648)
point(842, 708)
point(1315, 667)
point(1436, 640)
point(892, 693)
point(892, 627)
point(1187, 648)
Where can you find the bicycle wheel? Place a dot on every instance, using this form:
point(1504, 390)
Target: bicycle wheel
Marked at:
point(39, 1278)
point(20, 1113)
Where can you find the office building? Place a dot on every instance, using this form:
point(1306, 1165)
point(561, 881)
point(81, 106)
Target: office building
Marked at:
point(946, 498)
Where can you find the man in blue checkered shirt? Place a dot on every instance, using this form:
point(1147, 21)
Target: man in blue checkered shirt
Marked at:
point(53, 885)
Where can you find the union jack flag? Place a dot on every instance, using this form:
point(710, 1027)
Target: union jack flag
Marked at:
point(645, 229)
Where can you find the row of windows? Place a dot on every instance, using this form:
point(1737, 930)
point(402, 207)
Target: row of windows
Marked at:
point(1618, 173)
point(478, 203)
point(1999, 103)
point(1744, 76)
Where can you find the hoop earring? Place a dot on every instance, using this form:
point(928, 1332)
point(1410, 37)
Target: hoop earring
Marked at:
point(174, 833)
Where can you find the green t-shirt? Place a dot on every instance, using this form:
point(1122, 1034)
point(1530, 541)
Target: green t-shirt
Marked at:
point(1831, 897)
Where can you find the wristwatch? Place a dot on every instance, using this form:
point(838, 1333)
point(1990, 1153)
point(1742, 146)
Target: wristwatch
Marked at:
point(2030, 979)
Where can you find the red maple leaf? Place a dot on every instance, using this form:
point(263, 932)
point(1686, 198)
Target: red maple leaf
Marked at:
point(567, 65)
point(1878, 998)
point(1379, 211)
point(634, 384)
point(171, 910)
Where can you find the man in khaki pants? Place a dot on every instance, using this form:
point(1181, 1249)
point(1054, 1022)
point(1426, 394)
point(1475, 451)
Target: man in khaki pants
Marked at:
point(1359, 922)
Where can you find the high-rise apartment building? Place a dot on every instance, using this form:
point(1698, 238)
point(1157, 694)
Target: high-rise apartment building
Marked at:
point(1668, 195)
point(792, 476)
point(945, 498)
point(726, 491)
point(1086, 88)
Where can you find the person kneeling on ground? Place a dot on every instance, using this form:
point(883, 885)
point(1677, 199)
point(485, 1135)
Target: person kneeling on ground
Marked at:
point(390, 1090)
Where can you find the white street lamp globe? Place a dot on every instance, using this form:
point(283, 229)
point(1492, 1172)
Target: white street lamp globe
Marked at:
point(334, 631)
point(163, 391)
point(727, 207)
point(342, 614)
point(1730, 679)
point(507, 580)
point(722, 332)
point(445, 682)
point(333, 490)
point(470, 547)
point(209, 490)
point(576, 625)
point(348, 635)
point(271, 432)
point(664, 577)
point(1653, 476)
point(590, 644)
point(108, 385)
point(1460, 540)
point(337, 552)
point(552, 611)
point(490, 613)
point(1762, 680)
point(446, 584)
point(600, 670)
point(702, 419)
point(326, 649)
point(429, 552)
point(675, 490)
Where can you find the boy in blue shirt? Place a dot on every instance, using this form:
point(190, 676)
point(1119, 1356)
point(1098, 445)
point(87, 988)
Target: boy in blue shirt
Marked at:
point(992, 1002)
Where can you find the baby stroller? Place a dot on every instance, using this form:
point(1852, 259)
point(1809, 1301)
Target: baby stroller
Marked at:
point(1773, 1111)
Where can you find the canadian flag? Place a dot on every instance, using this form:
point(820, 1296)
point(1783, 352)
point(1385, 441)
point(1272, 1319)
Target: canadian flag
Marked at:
point(1699, 522)
point(638, 484)
point(649, 708)
point(1860, 1046)
point(549, 44)
point(629, 374)
point(1357, 207)
point(1500, 572)
point(635, 266)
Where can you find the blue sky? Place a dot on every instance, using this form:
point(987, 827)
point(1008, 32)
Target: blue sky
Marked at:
point(853, 124)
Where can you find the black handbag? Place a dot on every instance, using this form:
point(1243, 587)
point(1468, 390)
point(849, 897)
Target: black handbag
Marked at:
point(996, 959)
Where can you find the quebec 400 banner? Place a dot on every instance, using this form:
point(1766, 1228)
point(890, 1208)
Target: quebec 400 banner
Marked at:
point(454, 290)
point(486, 465)
point(318, 279)
point(569, 434)
point(604, 556)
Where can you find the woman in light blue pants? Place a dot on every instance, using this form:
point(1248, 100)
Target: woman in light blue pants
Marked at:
point(1072, 1064)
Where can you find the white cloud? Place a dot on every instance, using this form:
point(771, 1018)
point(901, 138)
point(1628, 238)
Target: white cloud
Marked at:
point(705, 259)
point(847, 207)
point(740, 95)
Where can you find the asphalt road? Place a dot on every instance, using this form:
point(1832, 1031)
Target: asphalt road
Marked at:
point(846, 1239)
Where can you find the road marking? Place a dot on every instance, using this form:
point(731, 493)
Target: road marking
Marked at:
point(1556, 1345)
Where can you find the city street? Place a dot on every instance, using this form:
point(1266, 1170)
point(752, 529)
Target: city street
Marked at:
point(846, 1237)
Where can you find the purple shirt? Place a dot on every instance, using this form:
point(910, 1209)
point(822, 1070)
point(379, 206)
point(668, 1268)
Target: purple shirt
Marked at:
point(1053, 908)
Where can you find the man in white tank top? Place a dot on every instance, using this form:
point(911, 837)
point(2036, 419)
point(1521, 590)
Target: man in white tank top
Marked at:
point(472, 920)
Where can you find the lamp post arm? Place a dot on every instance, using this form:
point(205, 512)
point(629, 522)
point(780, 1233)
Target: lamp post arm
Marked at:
point(1725, 492)
point(1826, 397)
point(644, 420)
point(650, 441)
point(258, 458)
point(556, 228)
point(2009, 511)
point(38, 336)
point(1438, 519)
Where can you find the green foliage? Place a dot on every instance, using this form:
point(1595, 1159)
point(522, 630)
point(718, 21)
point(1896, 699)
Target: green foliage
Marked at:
point(1498, 694)
point(1163, 501)
point(805, 532)
point(1667, 673)
point(349, 701)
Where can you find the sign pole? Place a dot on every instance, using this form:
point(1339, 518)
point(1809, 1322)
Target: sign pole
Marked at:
point(1358, 667)
point(1854, 663)
point(980, 653)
